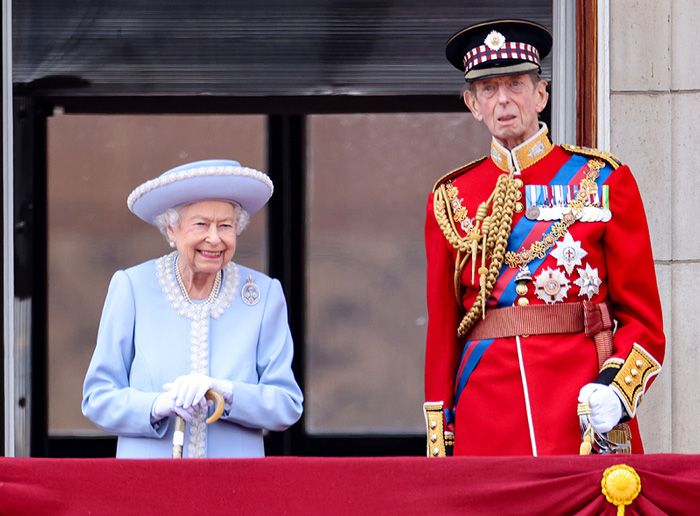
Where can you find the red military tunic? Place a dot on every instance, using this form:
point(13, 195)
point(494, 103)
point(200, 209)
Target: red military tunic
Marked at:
point(518, 395)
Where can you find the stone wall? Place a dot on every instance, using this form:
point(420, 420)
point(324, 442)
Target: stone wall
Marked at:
point(655, 112)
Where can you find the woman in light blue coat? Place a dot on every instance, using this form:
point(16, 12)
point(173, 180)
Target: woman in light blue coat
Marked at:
point(192, 320)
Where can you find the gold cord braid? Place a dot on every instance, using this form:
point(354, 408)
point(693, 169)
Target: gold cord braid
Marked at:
point(496, 229)
point(442, 211)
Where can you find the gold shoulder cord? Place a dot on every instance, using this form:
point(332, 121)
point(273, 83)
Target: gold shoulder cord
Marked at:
point(489, 235)
point(443, 195)
point(443, 215)
point(595, 153)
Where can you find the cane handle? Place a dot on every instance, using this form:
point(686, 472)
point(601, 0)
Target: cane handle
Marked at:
point(218, 400)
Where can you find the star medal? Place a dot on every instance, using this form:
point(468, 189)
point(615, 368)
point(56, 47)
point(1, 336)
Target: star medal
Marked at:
point(568, 253)
point(250, 293)
point(551, 286)
point(588, 281)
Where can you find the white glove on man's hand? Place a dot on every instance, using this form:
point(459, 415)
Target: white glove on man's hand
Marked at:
point(164, 406)
point(606, 407)
point(189, 389)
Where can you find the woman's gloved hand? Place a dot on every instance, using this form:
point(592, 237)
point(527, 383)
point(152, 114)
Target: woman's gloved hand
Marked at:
point(164, 406)
point(189, 389)
point(606, 407)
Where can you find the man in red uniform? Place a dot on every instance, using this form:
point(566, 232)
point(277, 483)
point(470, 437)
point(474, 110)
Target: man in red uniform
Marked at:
point(541, 288)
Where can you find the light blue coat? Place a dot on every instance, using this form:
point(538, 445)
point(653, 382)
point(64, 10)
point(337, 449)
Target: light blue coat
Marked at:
point(143, 343)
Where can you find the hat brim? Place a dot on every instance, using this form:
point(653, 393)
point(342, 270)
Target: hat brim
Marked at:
point(497, 71)
point(247, 187)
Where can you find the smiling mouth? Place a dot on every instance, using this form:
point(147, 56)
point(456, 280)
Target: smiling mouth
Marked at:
point(210, 254)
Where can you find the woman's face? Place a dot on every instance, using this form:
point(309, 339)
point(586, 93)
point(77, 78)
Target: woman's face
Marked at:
point(205, 236)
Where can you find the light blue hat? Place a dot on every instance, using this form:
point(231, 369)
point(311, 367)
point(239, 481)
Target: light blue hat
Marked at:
point(213, 179)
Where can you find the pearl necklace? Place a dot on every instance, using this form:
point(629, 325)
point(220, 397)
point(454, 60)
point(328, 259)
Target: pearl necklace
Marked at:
point(214, 289)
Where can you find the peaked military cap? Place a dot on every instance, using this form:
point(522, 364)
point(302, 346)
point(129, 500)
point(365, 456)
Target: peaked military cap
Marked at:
point(498, 47)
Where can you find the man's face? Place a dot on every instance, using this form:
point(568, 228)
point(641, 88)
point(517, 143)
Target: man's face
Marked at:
point(508, 105)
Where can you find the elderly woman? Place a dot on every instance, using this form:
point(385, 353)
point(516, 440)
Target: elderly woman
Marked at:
point(192, 320)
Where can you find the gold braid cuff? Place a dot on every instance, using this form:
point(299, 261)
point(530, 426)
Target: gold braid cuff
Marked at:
point(631, 380)
point(438, 443)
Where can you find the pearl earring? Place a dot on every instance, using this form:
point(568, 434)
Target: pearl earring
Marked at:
point(172, 244)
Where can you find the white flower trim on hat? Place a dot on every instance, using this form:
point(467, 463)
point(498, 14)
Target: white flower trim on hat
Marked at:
point(221, 170)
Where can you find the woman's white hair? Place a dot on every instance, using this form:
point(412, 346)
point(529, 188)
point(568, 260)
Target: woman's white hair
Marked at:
point(171, 217)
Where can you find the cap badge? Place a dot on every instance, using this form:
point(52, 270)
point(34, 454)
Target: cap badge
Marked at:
point(495, 40)
point(250, 293)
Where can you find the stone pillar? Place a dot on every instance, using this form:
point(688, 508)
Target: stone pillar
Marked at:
point(655, 128)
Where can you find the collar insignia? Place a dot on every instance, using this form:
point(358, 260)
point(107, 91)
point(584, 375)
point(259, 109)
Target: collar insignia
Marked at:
point(524, 155)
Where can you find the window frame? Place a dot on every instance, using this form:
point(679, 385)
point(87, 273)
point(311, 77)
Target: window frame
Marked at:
point(286, 140)
point(286, 257)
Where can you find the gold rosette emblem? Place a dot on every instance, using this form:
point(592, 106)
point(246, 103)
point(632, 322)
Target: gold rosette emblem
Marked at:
point(621, 485)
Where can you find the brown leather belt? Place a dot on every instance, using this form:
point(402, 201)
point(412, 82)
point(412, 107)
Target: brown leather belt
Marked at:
point(587, 317)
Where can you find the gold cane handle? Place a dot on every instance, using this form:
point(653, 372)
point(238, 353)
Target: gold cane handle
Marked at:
point(218, 400)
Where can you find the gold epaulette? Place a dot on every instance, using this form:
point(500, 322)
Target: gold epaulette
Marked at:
point(596, 153)
point(457, 172)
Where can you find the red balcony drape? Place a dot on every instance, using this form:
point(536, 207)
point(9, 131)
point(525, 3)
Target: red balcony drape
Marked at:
point(338, 486)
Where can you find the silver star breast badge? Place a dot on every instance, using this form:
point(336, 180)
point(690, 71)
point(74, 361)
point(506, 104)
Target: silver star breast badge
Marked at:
point(588, 281)
point(551, 286)
point(568, 253)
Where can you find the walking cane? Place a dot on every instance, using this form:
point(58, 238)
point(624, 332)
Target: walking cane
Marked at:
point(179, 433)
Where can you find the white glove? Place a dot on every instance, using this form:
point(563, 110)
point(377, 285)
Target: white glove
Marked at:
point(189, 389)
point(164, 406)
point(606, 407)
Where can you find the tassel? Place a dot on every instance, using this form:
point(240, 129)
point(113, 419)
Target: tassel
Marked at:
point(482, 291)
point(474, 237)
point(586, 446)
